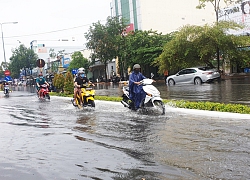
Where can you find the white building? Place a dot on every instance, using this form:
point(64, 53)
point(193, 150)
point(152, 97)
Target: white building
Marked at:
point(163, 16)
point(43, 50)
point(239, 13)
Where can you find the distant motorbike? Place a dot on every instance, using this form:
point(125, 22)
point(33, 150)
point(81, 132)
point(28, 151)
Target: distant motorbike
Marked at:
point(44, 92)
point(115, 79)
point(152, 101)
point(87, 97)
point(6, 90)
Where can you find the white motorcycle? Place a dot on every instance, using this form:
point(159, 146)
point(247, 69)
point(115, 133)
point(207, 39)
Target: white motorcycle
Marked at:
point(152, 101)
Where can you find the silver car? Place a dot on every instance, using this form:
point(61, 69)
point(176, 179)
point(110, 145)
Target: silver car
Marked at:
point(195, 75)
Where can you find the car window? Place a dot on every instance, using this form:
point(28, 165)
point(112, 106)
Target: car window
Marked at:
point(190, 71)
point(184, 71)
point(205, 68)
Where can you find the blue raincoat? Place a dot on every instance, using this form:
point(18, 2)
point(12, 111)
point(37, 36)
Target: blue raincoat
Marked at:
point(136, 93)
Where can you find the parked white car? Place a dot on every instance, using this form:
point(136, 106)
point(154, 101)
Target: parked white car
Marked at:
point(195, 75)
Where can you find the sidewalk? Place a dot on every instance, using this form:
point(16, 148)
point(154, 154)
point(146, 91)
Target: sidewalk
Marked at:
point(235, 75)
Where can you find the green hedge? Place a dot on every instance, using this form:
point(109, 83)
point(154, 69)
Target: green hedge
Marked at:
point(209, 106)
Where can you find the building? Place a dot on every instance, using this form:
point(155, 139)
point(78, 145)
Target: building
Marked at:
point(239, 13)
point(164, 16)
point(56, 54)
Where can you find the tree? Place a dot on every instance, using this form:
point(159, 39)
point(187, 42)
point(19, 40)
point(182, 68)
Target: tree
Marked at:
point(2, 67)
point(22, 57)
point(144, 47)
point(78, 61)
point(196, 45)
point(68, 83)
point(52, 53)
point(216, 6)
point(103, 40)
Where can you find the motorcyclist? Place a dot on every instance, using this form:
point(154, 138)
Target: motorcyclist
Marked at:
point(40, 81)
point(136, 93)
point(5, 83)
point(80, 81)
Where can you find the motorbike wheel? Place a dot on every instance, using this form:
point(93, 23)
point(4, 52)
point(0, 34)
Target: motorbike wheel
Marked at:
point(160, 105)
point(129, 102)
point(78, 103)
point(92, 103)
point(47, 96)
point(6, 94)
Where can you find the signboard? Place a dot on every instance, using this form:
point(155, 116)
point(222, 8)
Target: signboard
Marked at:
point(129, 29)
point(7, 73)
point(74, 71)
point(239, 13)
point(65, 62)
point(66, 59)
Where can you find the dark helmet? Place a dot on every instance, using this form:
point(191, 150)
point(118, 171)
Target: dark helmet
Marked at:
point(136, 66)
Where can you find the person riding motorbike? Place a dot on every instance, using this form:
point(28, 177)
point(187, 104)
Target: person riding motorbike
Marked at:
point(80, 81)
point(5, 83)
point(40, 81)
point(136, 93)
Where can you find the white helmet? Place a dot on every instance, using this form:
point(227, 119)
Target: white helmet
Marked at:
point(137, 66)
point(81, 71)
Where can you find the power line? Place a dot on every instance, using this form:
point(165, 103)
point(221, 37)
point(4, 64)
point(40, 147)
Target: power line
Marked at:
point(49, 32)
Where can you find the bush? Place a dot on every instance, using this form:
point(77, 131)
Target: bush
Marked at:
point(68, 83)
point(211, 106)
point(58, 82)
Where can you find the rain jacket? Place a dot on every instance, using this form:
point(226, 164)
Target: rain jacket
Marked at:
point(136, 93)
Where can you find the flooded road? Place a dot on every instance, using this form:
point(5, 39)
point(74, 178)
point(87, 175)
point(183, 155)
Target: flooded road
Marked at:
point(226, 91)
point(54, 140)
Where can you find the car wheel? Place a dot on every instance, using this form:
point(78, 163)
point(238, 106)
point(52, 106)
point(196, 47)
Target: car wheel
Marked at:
point(171, 82)
point(197, 81)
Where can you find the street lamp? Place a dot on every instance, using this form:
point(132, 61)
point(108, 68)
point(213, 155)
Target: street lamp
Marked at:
point(3, 40)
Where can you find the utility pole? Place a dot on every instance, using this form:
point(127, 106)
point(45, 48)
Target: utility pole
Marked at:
point(3, 40)
point(216, 8)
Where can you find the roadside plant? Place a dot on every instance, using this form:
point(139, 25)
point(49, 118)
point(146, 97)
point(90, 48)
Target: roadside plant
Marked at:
point(68, 83)
point(58, 82)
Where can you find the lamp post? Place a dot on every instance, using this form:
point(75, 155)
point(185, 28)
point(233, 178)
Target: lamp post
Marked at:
point(3, 39)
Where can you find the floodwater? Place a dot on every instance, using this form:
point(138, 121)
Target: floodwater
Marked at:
point(236, 90)
point(54, 140)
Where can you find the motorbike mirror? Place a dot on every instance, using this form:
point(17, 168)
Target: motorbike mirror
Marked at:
point(152, 75)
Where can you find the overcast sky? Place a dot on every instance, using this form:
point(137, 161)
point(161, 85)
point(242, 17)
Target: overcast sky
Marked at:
point(48, 20)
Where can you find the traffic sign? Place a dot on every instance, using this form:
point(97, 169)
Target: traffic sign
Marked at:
point(7, 72)
point(40, 63)
point(8, 78)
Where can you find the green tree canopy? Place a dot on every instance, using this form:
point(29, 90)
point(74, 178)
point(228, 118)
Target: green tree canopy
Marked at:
point(144, 47)
point(196, 45)
point(103, 40)
point(78, 61)
point(22, 57)
point(2, 68)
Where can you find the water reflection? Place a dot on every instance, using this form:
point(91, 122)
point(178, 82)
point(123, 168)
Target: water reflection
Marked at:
point(225, 91)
